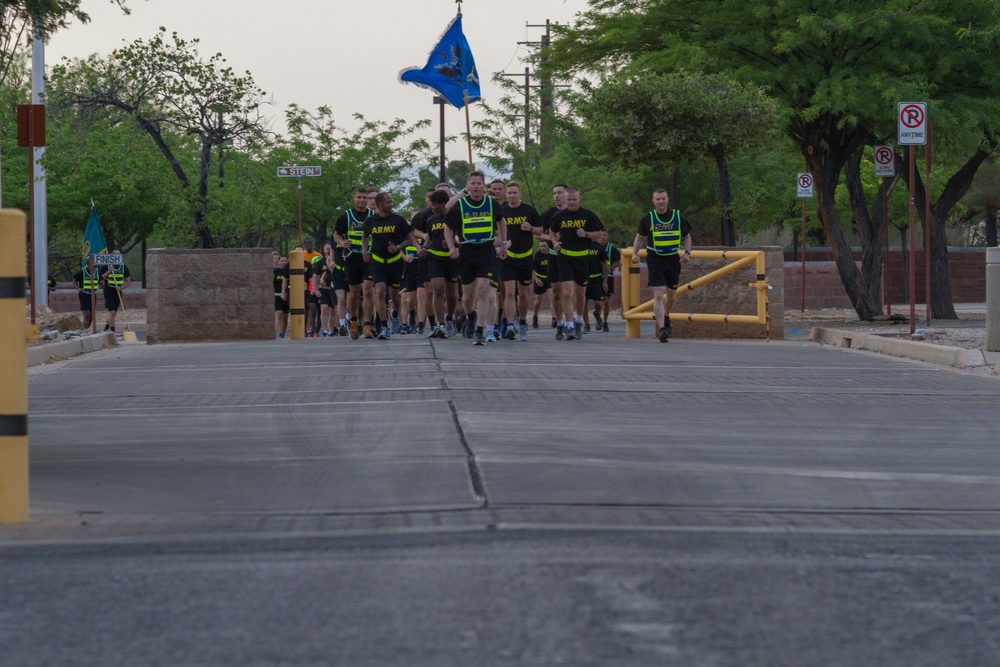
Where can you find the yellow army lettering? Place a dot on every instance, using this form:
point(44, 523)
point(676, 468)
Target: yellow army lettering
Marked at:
point(383, 230)
point(516, 222)
point(570, 224)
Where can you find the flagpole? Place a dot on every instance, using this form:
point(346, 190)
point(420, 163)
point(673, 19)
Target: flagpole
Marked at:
point(468, 129)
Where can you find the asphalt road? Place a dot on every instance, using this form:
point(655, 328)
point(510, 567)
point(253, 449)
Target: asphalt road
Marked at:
point(601, 502)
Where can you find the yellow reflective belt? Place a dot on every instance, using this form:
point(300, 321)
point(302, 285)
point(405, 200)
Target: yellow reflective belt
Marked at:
point(439, 253)
point(519, 255)
point(575, 253)
point(380, 260)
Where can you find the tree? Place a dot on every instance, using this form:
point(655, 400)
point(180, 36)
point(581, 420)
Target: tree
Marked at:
point(661, 120)
point(838, 70)
point(164, 87)
point(378, 154)
point(48, 15)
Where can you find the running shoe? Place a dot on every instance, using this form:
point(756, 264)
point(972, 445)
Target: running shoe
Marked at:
point(664, 335)
point(559, 333)
point(511, 332)
point(281, 335)
point(449, 329)
point(599, 321)
point(479, 340)
point(669, 329)
point(368, 333)
point(555, 323)
point(344, 331)
point(470, 325)
point(605, 328)
point(384, 334)
point(394, 325)
point(586, 328)
point(491, 337)
point(571, 332)
point(534, 321)
point(523, 331)
point(440, 331)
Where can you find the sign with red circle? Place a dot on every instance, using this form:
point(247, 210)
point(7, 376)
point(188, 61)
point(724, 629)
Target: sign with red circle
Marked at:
point(885, 161)
point(805, 184)
point(912, 128)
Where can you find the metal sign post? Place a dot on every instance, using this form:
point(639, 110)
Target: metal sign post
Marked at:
point(885, 166)
point(31, 135)
point(804, 183)
point(912, 130)
point(299, 172)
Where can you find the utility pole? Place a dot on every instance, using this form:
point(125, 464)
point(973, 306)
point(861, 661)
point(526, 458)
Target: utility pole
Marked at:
point(545, 87)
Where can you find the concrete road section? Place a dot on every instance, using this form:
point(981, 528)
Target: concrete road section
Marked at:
point(595, 502)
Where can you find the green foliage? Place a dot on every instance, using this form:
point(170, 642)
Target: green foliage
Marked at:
point(168, 91)
point(49, 15)
point(662, 119)
point(378, 154)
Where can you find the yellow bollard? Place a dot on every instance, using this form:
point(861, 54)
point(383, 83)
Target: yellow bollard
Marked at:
point(297, 295)
point(631, 291)
point(14, 376)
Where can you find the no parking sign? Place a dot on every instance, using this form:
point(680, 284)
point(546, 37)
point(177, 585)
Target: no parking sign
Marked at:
point(912, 129)
point(885, 161)
point(804, 182)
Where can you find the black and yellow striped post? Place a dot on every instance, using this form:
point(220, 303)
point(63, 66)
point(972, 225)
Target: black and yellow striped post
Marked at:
point(297, 295)
point(631, 290)
point(14, 365)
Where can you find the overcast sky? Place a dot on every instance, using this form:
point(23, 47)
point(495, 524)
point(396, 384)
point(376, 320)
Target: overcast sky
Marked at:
point(340, 53)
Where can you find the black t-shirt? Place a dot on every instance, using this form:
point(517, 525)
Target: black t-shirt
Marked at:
point(383, 232)
point(454, 217)
point(78, 278)
point(417, 221)
point(520, 240)
point(433, 225)
point(565, 223)
point(667, 220)
point(540, 263)
point(279, 274)
point(342, 224)
point(306, 274)
point(321, 270)
point(598, 256)
point(614, 254)
point(123, 269)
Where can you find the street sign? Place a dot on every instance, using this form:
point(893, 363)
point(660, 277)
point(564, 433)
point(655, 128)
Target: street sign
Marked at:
point(30, 125)
point(108, 259)
point(805, 185)
point(296, 172)
point(912, 123)
point(885, 161)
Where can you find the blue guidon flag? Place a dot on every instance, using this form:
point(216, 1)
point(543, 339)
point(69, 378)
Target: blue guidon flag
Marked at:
point(93, 238)
point(450, 70)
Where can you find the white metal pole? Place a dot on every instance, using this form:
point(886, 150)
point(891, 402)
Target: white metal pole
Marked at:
point(41, 234)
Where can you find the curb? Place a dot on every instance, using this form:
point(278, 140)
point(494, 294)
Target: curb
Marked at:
point(944, 355)
point(43, 354)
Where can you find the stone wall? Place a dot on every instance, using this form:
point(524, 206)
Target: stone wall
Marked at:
point(730, 295)
point(205, 295)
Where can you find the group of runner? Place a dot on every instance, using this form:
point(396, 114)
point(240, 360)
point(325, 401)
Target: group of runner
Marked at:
point(467, 264)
